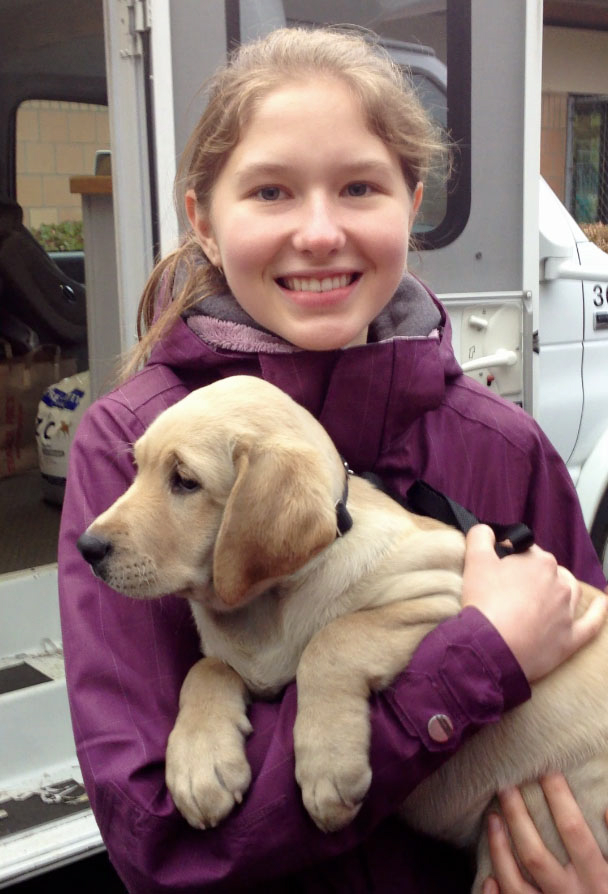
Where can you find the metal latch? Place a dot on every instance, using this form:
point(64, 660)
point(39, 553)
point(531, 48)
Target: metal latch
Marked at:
point(501, 357)
point(135, 19)
point(600, 320)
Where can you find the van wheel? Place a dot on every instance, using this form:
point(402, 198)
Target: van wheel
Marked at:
point(599, 533)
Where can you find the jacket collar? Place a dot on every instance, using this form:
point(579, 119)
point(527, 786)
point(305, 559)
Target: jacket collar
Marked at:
point(222, 323)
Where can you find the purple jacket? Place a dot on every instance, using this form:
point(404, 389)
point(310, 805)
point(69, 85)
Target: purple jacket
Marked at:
point(399, 407)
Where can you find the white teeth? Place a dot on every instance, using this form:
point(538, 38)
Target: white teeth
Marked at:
point(299, 284)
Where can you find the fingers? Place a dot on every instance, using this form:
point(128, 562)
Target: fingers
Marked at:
point(568, 579)
point(508, 879)
point(480, 543)
point(481, 540)
point(588, 625)
point(540, 863)
point(490, 887)
point(582, 848)
point(480, 547)
point(587, 871)
point(480, 537)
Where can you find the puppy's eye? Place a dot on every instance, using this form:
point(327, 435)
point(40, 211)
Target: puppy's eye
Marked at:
point(182, 484)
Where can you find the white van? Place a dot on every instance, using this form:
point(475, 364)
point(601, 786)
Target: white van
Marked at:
point(526, 291)
point(560, 373)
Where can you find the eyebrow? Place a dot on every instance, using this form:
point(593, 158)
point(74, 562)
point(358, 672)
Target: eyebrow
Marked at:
point(256, 170)
point(367, 166)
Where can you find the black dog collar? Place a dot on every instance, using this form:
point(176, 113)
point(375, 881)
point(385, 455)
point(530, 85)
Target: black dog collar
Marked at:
point(344, 520)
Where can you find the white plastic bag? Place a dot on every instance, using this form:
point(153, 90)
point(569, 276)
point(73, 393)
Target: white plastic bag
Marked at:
point(59, 413)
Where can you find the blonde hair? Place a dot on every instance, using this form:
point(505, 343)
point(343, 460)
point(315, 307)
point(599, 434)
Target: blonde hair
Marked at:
point(390, 105)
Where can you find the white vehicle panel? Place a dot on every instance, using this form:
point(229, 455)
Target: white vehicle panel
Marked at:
point(560, 313)
point(560, 397)
point(595, 411)
point(596, 295)
point(38, 764)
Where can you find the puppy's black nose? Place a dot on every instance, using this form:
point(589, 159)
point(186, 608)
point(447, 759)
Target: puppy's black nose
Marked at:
point(93, 548)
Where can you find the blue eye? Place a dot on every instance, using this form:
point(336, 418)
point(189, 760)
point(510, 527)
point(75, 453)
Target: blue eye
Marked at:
point(358, 189)
point(269, 193)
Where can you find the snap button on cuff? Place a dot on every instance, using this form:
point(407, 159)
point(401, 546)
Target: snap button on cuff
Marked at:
point(440, 727)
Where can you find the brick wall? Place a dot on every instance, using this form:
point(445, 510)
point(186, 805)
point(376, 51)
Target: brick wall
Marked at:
point(554, 130)
point(56, 141)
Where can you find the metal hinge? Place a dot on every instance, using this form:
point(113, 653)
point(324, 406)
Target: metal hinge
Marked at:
point(135, 20)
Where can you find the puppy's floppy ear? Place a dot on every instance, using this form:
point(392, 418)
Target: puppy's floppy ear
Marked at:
point(278, 516)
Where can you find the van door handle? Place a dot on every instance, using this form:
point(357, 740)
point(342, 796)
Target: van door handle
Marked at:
point(502, 357)
point(557, 268)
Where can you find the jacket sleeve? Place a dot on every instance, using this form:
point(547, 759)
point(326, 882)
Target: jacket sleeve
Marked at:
point(125, 662)
point(554, 513)
point(505, 470)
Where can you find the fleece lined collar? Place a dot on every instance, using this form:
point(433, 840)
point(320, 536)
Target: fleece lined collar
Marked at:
point(222, 323)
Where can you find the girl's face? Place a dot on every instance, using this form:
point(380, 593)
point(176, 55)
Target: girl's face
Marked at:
point(310, 217)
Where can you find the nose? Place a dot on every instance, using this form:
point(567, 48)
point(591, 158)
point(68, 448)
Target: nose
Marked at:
point(93, 548)
point(319, 230)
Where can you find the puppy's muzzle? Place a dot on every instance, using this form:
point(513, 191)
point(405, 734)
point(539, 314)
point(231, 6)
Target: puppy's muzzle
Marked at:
point(94, 550)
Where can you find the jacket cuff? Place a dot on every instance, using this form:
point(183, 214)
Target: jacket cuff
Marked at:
point(462, 676)
point(510, 676)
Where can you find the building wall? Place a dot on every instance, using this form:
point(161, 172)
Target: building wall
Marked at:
point(554, 134)
point(56, 141)
point(574, 61)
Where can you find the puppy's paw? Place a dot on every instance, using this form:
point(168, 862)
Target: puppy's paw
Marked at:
point(333, 799)
point(207, 771)
point(334, 782)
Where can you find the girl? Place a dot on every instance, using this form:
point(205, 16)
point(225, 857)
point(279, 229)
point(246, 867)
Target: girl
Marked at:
point(300, 184)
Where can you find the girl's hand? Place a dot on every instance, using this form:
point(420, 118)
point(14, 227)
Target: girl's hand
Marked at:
point(587, 873)
point(531, 600)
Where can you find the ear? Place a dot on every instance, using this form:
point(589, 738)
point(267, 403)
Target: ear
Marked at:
point(201, 224)
point(278, 516)
point(416, 202)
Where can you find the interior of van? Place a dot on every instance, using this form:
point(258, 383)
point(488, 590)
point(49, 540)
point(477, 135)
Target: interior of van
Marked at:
point(52, 68)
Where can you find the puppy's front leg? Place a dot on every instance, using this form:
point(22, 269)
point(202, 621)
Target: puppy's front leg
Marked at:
point(206, 767)
point(351, 657)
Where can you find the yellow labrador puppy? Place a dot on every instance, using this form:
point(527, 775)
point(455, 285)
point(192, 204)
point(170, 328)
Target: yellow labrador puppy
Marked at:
point(234, 507)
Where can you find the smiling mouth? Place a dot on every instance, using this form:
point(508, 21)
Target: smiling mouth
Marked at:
point(316, 284)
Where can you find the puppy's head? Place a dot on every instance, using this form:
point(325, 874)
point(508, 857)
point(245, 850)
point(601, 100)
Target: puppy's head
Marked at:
point(235, 489)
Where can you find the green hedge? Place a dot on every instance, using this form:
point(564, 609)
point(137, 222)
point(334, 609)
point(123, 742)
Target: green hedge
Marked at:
point(64, 236)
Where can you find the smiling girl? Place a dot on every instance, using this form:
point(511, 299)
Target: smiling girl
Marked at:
point(300, 186)
point(313, 244)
